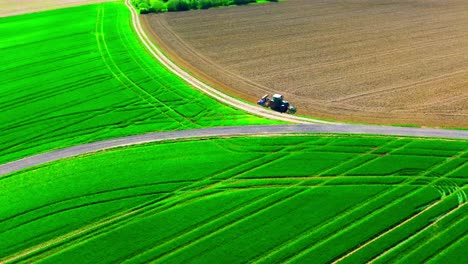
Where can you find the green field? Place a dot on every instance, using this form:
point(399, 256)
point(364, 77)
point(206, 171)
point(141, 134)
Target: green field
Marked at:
point(79, 75)
point(299, 199)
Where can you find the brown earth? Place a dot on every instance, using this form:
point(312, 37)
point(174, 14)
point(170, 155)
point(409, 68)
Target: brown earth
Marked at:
point(373, 61)
point(17, 7)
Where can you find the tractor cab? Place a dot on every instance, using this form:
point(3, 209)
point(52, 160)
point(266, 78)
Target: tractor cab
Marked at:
point(277, 103)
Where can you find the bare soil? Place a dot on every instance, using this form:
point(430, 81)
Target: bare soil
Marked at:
point(374, 61)
point(17, 7)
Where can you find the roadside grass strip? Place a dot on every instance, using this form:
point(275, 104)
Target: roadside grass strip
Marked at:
point(79, 75)
point(242, 199)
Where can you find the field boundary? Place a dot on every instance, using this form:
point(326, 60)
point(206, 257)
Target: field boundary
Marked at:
point(206, 89)
point(227, 131)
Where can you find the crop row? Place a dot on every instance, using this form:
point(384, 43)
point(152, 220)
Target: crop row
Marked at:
point(80, 75)
point(175, 199)
point(420, 242)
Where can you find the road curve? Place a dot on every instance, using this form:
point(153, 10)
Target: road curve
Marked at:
point(224, 98)
point(226, 131)
point(307, 125)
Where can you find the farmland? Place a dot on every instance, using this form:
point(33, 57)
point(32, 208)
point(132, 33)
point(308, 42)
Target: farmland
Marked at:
point(16, 7)
point(386, 62)
point(262, 199)
point(78, 75)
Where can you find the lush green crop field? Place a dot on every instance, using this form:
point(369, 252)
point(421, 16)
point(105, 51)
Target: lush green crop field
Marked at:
point(78, 75)
point(299, 199)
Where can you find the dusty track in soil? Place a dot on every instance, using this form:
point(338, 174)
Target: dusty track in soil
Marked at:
point(17, 7)
point(384, 62)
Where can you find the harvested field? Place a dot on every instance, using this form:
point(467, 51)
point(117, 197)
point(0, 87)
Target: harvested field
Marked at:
point(379, 61)
point(262, 199)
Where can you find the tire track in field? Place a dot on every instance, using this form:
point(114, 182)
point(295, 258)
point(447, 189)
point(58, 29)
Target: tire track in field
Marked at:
point(160, 207)
point(210, 62)
point(373, 156)
point(360, 220)
point(216, 185)
point(369, 153)
point(58, 108)
point(388, 231)
point(420, 36)
point(121, 218)
point(433, 184)
point(369, 56)
point(396, 88)
point(87, 231)
point(92, 232)
point(337, 80)
point(243, 219)
point(143, 211)
point(303, 237)
point(463, 197)
point(81, 206)
point(266, 257)
point(447, 245)
point(440, 217)
point(52, 92)
point(125, 80)
point(183, 238)
point(298, 184)
point(145, 69)
point(205, 236)
point(87, 195)
point(458, 239)
point(59, 127)
point(10, 148)
point(445, 101)
point(50, 58)
point(217, 95)
point(61, 239)
point(139, 63)
point(126, 39)
point(413, 236)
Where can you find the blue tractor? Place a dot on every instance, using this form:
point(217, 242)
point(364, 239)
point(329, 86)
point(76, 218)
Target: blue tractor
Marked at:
point(277, 103)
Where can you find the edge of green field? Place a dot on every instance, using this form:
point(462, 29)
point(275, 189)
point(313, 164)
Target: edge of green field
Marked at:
point(294, 198)
point(79, 75)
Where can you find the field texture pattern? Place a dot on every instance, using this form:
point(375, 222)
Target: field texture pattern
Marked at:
point(299, 199)
point(79, 75)
point(16, 7)
point(379, 61)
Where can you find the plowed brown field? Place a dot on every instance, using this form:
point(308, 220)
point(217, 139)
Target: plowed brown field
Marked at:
point(377, 61)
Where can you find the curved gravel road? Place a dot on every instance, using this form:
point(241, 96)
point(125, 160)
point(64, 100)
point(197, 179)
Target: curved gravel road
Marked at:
point(226, 131)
